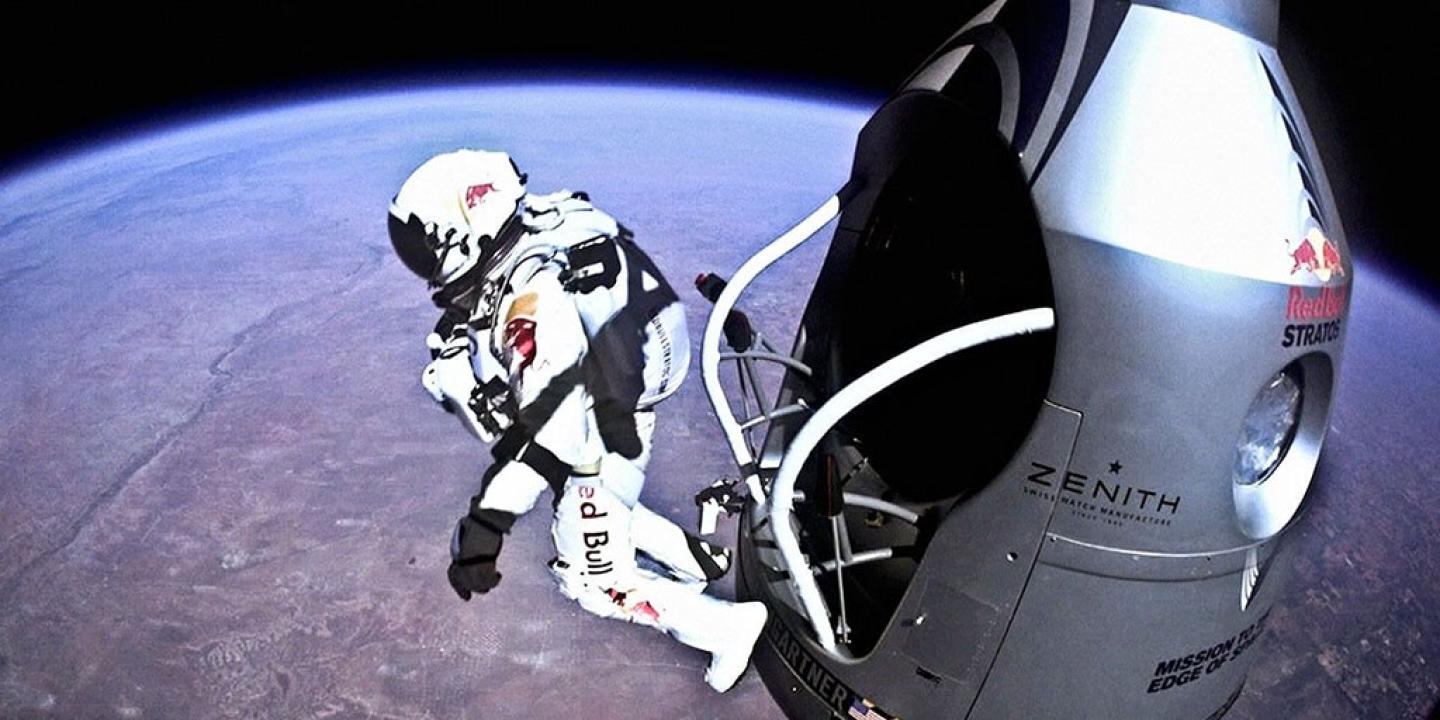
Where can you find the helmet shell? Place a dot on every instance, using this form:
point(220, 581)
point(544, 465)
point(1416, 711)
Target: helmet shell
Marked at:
point(445, 217)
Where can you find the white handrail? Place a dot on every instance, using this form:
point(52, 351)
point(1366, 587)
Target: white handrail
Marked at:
point(847, 399)
point(714, 327)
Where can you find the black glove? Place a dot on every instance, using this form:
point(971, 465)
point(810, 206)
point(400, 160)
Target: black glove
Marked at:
point(478, 578)
point(738, 331)
point(617, 428)
point(474, 548)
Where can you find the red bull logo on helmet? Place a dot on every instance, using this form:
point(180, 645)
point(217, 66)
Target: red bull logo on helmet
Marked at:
point(1317, 255)
point(475, 194)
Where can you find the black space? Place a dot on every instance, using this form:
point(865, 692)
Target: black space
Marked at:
point(73, 73)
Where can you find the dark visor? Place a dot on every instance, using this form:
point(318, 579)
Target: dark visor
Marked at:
point(415, 247)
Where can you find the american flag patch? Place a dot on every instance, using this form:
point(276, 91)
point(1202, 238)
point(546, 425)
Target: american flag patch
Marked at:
point(862, 709)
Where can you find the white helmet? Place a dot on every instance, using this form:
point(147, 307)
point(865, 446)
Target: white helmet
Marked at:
point(450, 213)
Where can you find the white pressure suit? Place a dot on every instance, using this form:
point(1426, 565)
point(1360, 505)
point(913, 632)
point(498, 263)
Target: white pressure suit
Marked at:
point(558, 352)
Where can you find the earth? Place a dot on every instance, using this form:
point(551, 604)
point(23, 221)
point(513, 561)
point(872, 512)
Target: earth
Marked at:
point(226, 495)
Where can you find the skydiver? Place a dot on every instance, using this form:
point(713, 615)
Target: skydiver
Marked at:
point(558, 337)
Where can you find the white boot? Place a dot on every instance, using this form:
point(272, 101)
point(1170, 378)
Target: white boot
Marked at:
point(728, 663)
point(724, 629)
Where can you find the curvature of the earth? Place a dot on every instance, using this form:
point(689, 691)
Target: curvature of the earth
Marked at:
point(225, 494)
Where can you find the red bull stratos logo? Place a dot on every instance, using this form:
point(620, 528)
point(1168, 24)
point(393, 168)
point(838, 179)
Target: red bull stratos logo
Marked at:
point(1316, 255)
point(1314, 315)
point(1318, 312)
